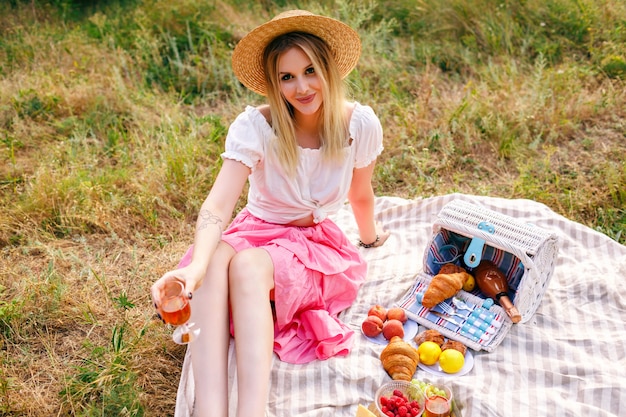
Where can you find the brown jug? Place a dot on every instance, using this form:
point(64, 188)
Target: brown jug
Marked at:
point(492, 282)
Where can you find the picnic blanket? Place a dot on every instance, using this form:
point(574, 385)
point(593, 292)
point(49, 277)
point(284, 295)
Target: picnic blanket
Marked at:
point(567, 360)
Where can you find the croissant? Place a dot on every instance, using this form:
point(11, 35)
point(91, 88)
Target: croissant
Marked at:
point(453, 344)
point(399, 359)
point(430, 335)
point(445, 284)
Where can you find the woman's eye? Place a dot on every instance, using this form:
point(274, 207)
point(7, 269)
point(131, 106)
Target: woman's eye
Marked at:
point(285, 77)
point(310, 70)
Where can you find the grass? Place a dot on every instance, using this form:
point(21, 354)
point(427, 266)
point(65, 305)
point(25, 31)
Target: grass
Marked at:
point(113, 116)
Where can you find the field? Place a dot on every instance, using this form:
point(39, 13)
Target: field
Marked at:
point(113, 116)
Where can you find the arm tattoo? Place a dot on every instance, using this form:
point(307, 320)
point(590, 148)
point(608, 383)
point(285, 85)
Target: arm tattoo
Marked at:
point(207, 218)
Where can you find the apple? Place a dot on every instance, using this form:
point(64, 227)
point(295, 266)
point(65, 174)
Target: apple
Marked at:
point(378, 311)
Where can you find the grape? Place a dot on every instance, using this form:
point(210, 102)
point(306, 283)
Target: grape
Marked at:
point(428, 388)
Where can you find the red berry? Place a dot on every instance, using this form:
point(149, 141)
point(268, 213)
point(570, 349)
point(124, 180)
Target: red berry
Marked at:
point(415, 411)
point(390, 414)
point(402, 411)
point(392, 404)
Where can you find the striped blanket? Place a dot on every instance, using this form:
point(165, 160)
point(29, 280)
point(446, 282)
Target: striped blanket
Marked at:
point(567, 360)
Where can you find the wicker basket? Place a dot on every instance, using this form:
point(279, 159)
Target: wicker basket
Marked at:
point(464, 234)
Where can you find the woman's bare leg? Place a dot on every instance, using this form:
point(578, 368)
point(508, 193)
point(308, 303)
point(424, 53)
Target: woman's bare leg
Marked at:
point(209, 351)
point(251, 279)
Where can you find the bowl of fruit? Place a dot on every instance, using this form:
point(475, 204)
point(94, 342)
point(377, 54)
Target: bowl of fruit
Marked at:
point(399, 399)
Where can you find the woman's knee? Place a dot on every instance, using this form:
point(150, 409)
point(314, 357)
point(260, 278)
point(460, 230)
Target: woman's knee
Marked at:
point(252, 267)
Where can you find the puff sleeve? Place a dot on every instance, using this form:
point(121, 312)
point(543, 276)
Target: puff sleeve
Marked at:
point(367, 134)
point(246, 138)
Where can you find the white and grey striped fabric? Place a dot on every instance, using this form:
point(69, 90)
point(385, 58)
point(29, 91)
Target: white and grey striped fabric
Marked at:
point(567, 360)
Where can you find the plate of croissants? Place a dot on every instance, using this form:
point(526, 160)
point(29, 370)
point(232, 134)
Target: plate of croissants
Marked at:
point(436, 337)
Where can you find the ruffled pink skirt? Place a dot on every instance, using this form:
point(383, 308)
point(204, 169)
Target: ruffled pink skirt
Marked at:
point(317, 274)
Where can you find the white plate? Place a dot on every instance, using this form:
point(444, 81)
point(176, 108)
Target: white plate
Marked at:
point(410, 330)
point(436, 370)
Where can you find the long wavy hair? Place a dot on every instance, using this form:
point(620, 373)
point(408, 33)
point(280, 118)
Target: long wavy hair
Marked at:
point(334, 134)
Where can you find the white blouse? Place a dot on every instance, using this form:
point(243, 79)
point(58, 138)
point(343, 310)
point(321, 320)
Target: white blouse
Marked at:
point(319, 188)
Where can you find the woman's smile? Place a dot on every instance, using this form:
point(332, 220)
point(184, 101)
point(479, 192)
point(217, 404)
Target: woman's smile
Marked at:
point(307, 99)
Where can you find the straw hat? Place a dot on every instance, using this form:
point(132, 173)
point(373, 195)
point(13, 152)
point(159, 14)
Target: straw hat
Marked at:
point(247, 58)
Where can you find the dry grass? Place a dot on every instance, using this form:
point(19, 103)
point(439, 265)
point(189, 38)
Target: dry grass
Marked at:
point(67, 310)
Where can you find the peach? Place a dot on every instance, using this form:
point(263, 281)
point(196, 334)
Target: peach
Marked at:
point(397, 313)
point(378, 311)
point(393, 328)
point(372, 326)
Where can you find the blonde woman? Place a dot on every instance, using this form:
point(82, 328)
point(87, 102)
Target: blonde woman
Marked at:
point(278, 275)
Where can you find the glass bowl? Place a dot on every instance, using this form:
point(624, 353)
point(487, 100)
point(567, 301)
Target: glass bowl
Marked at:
point(410, 391)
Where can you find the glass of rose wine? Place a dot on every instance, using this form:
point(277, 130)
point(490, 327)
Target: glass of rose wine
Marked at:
point(438, 401)
point(176, 310)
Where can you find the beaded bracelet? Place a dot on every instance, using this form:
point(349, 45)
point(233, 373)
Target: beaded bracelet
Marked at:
point(369, 245)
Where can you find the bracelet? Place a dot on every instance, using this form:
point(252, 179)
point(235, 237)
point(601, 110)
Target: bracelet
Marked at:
point(369, 245)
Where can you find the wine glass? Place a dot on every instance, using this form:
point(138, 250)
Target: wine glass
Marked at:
point(176, 310)
point(438, 401)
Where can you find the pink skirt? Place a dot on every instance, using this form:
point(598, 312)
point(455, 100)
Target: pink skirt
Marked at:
point(317, 274)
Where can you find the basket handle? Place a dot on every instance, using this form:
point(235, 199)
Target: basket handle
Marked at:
point(474, 252)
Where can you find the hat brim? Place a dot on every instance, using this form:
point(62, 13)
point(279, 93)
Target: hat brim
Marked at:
point(247, 58)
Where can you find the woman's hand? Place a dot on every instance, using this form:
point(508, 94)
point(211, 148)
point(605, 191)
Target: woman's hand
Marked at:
point(382, 234)
point(381, 237)
point(190, 276)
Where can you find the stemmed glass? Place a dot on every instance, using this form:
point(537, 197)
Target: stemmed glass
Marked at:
point(438, 401)
point(176, 310)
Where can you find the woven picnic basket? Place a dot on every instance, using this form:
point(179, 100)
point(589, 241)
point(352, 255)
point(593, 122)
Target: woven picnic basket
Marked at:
point(465, 234)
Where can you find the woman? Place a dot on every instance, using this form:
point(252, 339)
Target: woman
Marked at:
point(278, 276)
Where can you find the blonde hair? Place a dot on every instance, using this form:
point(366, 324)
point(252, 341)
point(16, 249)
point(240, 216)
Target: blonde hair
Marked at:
point(334, 128)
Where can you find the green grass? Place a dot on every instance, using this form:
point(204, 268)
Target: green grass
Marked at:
point(113, 115)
